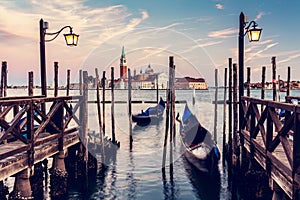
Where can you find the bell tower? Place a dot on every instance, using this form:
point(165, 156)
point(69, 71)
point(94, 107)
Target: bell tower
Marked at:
point(123, 65)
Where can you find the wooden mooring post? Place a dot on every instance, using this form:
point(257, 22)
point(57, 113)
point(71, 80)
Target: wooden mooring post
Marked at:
point(55, 79)
point(229, 149)
point(157, 91)
point(263, 83)
point(216, 106)
point(30, 83)
point(98, 103)
point(166, 130)
point(68, 82)
point(103, 100)
point(170, 119)
point(224, 114)
point(236, 151)
point(130, 111)
point(83, 151)
point(288, 81)
point(172, 111)
point(274, 77)
point(3, 86)
point(248, 81)
point(37, 179)
point(80, 82)
point(99, 116)
point(112, 110)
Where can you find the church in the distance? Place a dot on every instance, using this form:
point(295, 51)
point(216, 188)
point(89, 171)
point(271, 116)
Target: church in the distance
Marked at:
point(151, 80)
point(123, 65)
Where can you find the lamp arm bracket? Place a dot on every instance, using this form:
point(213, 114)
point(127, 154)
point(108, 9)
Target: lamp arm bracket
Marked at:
point(248, 26)
point(57, 33)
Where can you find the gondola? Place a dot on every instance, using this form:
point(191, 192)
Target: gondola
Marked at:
point(199, 147)
point(152, 114)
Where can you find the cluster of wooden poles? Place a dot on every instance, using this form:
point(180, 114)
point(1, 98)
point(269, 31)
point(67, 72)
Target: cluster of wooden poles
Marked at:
point(233, 97)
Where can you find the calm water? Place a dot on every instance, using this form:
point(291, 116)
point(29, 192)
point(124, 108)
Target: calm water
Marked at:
point(137, 174)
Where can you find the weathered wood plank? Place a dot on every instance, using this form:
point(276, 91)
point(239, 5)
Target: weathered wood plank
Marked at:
point(19, 162)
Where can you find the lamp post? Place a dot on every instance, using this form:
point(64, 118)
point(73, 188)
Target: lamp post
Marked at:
point(71, 40)
point(253, 36)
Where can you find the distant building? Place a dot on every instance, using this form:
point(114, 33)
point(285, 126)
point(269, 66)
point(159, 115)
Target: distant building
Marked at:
point(191, 83)
point(147, 80)
point(151, 80)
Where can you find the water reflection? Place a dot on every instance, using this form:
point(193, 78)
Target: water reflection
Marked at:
point(205, 186)
point(132, 182)
point(169, 187)
point(156, 124)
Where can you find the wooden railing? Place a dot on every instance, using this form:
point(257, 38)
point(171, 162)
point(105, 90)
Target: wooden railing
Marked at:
point(274, 140)
point(22, 122)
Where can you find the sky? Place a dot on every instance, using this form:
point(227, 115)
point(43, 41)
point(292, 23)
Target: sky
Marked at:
point(200, 34)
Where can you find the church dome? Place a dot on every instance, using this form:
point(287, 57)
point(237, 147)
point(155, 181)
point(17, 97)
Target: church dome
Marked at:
point(149, 70)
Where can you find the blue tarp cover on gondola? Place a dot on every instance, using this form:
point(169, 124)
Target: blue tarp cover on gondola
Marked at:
point(186, 114)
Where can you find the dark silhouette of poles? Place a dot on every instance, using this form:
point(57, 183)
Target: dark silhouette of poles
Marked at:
point(43, 61)
point(288, 81)
point(173, 105)
point(3, 79)
point(80, 82)
point(172, 113)
point(99, 114)
point(248, 87)
point(157, 98)
point(55, 79)
point(274, 77)
point(230, 112)
point(68, 82)
point(84, 119)
point(224, 112)
point(166, 130)
point(241, 71)
point(278, 88)
point(113, 106)
point(236, 151)
point(30, 83)
point(170, 117)
point(103, 100)
point(129, 110)
point(216, 105)
point(248, 81)
point(263, 83)
point(98, 101)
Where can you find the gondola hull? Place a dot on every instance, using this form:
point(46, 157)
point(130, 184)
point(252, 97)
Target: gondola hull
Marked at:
point(199, 147)
point(151, 116)
point(203, 163)
point(146, 120)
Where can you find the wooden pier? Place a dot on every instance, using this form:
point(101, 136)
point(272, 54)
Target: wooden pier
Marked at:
point(274, 141)
point(265, 137)
point(29, 136)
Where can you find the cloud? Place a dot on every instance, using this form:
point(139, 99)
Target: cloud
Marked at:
point(219, 6)
point(260, 15)
point(205, 19)
point(258, 53)
point(19, 23)
point(94, 22)
point(209, 43)
point(226, 33)
point(289, 58)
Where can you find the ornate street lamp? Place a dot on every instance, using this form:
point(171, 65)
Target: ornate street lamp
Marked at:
point(253, 32)
point(71, 40)
point(253, 36)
